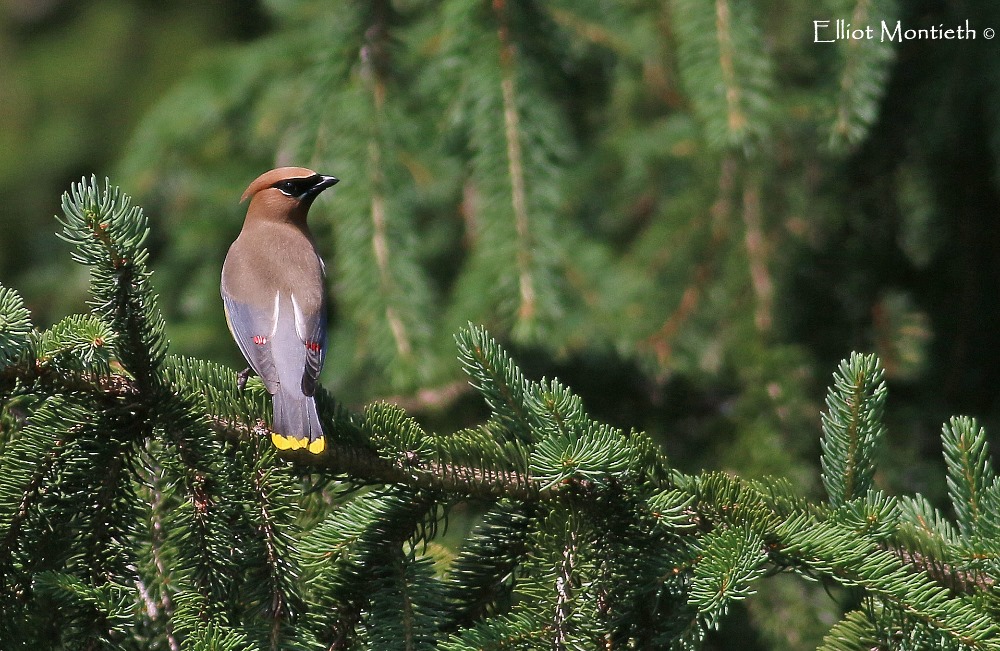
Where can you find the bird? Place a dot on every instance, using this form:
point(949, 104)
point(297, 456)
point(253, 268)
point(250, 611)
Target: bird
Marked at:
point(273, 292)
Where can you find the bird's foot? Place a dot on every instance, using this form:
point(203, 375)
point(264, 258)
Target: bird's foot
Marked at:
point(244, 375)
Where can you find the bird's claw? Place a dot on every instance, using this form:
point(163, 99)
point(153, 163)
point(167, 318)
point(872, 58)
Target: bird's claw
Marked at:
point(244, 375)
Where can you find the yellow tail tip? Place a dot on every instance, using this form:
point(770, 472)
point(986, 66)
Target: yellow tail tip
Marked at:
point(316, 446)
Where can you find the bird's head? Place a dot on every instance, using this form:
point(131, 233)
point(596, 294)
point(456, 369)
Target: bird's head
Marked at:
point(286, 191)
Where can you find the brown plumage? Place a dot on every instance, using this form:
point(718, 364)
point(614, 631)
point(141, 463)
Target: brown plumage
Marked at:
point(274, 295)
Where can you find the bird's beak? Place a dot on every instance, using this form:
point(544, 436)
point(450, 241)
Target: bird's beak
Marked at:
point(323, 183)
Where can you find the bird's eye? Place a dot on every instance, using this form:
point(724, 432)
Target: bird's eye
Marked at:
point(297, 188)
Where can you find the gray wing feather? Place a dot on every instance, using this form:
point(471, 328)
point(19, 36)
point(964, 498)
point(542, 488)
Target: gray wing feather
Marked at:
point(311, 330)
point(245, 323)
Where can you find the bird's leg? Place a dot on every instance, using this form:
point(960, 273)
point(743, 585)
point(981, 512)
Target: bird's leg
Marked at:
point(241, 379)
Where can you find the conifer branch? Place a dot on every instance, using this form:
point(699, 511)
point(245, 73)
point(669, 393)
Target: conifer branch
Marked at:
point(862, 80)
point(498, 379)
point(854, 631)
point(363, 465)
point(834, 550)
point(157, 539)
point(736, 120)
point(357, 462)
point(727, 71)
point(949, 575)
point(518, 195)
point(276, 562)
point(15, 327)
point(376, 64)
point(852, 428)
point(11, 523)
point(109, 233)
point(480, 580)
point(971, 479)
point(566, 580)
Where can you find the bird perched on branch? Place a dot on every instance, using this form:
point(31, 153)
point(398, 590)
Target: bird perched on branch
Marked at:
point(275, 300)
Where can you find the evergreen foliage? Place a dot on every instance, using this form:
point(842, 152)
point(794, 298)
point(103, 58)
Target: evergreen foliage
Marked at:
point(853, 429)
point(971, 482)
point(581, 177)
point(141, 502)
point(721, 41)
point(863, 74)
point(15, 327)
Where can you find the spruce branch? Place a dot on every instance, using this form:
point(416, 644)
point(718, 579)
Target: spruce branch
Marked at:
point(971, 479)
point(953, 576)
point(154, 485)
point(201, 529)
point(726, 70)
point(101, 614)
point(350, 549)
point(923, 528)
point(567, 583)
point(404, 600)
point(498, 379)
point(362, 464)
point(382, 288)
point(516, 244)
point(589, 452)
point(481, 579)
point(376, 65)
point(852, 428)
point(274, 585)
point(108, 234)
point(215, 636)
point(78, 343)
point(351, 459)
point(509, 632)
point(723, 22)
point(840, 553)
point(25, 465)
point(15, 327)
point(816, 542)
point(866, 64)
point(515, 166)
point(733, 559)
point(853, 633)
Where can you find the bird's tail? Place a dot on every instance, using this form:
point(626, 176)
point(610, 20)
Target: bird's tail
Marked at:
point(296, 423)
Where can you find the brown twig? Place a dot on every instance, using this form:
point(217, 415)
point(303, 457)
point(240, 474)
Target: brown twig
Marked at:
point(362, 464)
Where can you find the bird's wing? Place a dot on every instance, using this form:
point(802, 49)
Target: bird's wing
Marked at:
point(253, 330)
point(310, 326)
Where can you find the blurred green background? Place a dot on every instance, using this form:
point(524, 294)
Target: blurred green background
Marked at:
point(77, 77)
point(703, 212)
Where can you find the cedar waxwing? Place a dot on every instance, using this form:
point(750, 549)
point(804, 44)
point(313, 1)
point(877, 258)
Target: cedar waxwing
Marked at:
point(275, 300)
